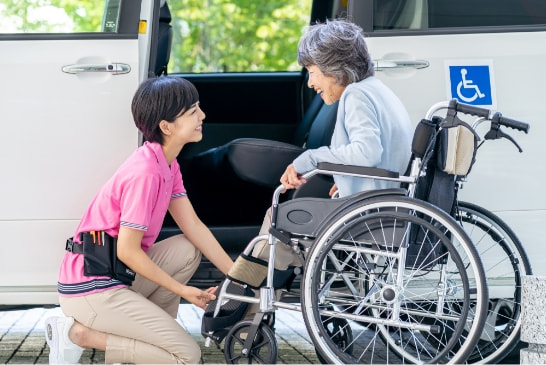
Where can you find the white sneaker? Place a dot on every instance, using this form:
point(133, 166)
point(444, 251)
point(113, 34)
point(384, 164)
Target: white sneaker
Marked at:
point(61, 349)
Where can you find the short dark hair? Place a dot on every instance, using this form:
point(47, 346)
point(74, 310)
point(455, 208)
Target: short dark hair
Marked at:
point(161, 98)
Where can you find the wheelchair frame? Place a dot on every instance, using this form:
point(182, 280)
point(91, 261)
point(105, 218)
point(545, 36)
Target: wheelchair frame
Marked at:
point(415, 324)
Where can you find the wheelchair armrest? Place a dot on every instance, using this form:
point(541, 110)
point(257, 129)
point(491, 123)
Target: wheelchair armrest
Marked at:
point(261, 161)
point(358, 170)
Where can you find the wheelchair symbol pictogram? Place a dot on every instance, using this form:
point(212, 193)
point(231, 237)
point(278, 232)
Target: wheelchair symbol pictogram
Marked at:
point(471, 83)
point(464, 85)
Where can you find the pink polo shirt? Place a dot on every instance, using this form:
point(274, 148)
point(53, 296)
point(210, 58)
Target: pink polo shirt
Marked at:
point(136, 196)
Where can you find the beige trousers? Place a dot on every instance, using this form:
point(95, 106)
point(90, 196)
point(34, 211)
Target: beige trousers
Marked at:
point(140, 320)
point(284, 255)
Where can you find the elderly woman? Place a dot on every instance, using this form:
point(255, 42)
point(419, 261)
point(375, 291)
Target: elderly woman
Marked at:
point(372, 128)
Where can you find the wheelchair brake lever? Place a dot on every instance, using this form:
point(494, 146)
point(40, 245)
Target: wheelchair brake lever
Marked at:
point(496, 133)
point(513, 141)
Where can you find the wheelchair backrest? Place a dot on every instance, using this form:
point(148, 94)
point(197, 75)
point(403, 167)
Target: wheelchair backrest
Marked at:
point(447, 148)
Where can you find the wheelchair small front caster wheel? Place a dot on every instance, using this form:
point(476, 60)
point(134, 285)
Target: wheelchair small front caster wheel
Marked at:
point(262, 351)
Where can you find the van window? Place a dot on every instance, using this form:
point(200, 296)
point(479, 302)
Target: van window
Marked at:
point(59, 16)
point(423, 14)
point(236, 36)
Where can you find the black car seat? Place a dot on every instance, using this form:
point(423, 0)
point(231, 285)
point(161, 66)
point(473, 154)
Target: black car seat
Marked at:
point(231, 186)
point(220, 178)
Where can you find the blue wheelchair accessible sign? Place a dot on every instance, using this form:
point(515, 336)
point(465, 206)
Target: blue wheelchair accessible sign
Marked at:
point(471, 83)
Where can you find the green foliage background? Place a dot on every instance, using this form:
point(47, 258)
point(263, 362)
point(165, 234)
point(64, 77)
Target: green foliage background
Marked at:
point(209, 35)
point(237, 35)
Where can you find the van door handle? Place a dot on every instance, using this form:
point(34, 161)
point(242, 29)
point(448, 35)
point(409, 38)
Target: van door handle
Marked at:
point(111, 68)
point(386, 64)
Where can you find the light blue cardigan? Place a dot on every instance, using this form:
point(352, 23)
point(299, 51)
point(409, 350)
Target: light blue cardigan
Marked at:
point(372, 129)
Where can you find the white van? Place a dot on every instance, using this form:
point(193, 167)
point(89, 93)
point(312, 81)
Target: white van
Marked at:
point(495, 50)
point(65, 110)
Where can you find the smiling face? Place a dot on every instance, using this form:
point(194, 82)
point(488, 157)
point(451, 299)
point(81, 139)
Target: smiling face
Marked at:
point(330, 91)
point(187, 127)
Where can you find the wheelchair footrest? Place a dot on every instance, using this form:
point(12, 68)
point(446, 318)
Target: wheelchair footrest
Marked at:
point(231, 312)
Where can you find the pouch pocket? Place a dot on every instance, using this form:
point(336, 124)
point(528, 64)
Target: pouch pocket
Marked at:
point(457, 149)
point(97, 258)
point(100, 258)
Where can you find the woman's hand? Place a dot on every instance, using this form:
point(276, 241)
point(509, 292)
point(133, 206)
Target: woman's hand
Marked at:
point(198, 297)
point(291, 179)
point(333, 190)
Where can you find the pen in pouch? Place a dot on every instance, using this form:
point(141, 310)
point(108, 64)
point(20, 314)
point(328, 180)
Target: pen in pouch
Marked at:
point(97, 258)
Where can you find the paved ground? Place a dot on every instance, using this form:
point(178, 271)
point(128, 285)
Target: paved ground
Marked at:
point(22, 338)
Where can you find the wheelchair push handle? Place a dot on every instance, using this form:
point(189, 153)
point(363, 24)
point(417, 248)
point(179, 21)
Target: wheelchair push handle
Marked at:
point(453, 106)
point(469, 109)
point(497, 117)
point(495, 131)
point(510, 123)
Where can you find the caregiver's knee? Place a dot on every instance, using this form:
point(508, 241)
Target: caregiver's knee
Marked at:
point(189, 354)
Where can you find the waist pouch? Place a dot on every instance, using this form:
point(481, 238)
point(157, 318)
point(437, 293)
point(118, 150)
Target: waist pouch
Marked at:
point(100, 256)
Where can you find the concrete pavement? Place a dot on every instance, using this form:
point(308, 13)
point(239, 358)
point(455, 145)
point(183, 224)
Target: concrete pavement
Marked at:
point(22, 338)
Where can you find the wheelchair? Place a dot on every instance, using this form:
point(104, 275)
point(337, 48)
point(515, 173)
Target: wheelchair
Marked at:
point(388, 276)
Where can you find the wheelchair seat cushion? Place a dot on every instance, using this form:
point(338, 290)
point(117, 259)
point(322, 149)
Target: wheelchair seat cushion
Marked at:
point(306, 216)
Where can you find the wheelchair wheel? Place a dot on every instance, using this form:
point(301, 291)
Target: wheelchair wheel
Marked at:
point(340, 332)
point(263, 350)
point(505, 263)
point(393, 268)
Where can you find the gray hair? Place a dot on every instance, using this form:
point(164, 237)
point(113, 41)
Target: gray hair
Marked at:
point(338, 49)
